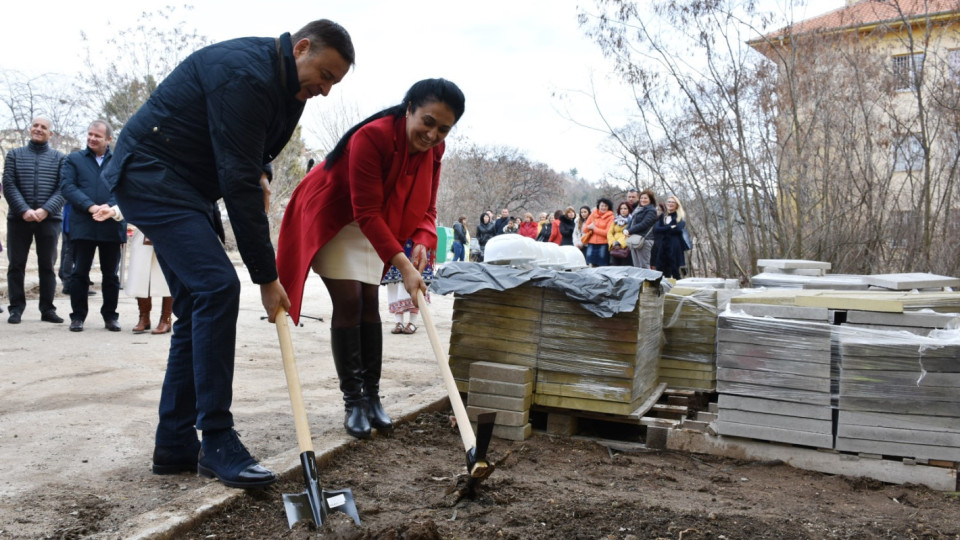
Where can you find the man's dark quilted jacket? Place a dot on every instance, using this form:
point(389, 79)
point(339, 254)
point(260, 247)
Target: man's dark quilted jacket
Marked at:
point(31, 180)
point(206, 132)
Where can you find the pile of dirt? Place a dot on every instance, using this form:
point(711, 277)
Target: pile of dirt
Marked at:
point(562, 488)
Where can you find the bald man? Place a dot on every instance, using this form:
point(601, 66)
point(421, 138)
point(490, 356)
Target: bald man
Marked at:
point(31, 184)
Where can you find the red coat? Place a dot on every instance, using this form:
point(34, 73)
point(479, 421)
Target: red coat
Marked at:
point(528, 229)
point(555, 235)
point(365, 185)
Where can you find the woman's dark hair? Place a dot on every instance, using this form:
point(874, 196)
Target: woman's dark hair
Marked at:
point(604, 200)
point(650, 195)
point(420, 94)
point(619, 204)
point(484, 215)
point(558, 214)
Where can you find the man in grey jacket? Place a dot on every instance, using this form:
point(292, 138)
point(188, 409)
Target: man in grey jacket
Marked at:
point(31, 184)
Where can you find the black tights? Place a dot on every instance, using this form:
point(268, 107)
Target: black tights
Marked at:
point(354, 302)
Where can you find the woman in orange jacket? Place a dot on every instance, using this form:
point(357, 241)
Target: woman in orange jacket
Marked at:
point(595, 233)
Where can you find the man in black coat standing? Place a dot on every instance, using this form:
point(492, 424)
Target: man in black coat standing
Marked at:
point(31, 184)
point(205, 134)
point(88, 197)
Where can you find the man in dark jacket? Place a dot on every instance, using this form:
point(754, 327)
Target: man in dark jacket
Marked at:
point(88, 195)
point(459, 238)
point(31, 184)
point(205, 134)
point(502, 221)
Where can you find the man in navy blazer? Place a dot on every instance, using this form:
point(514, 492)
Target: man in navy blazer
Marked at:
point(88, 194)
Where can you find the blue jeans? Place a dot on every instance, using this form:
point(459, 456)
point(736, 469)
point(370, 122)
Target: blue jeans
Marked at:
point(198, 386)
point(598, 255)
point(457, 251)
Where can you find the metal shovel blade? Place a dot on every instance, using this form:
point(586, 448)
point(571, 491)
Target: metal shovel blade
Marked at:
point(315, 504)
point(477, 464)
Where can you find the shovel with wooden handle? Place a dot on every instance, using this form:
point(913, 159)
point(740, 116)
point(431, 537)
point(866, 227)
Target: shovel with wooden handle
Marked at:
point(315, 503)
point(476, 446)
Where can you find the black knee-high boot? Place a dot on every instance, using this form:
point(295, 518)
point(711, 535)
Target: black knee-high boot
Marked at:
point(345, 344)
point(371, 353)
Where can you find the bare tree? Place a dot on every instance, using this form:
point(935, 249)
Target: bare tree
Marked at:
point(124, 68)
point(477, 178)
point(812, 156)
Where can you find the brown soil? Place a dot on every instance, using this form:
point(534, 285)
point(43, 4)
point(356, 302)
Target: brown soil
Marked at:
point(559, 488)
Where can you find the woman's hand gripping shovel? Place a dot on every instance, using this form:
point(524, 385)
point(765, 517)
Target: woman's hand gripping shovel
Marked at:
point(476, 446)
point(314, 503)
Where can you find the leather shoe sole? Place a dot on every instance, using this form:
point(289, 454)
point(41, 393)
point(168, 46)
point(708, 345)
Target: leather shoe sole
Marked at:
point(254, 476)
point(76, 326)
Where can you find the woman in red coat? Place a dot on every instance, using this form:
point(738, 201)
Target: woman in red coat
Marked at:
point(529, 227)
point(352, 215)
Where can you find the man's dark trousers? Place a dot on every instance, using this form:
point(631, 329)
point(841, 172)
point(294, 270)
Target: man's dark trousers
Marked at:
point(20, 235)
point(83, 251)
point(198, 387)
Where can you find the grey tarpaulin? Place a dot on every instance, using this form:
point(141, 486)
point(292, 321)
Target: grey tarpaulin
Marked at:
point(604, 291)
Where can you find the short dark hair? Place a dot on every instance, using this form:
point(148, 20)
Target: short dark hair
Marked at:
point(327, 33)
point(605, 200)
point(650, 195)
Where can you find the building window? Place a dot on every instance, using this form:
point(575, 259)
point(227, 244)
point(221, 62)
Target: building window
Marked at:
point(907, 70)
point(908, 154)
point(953, 62)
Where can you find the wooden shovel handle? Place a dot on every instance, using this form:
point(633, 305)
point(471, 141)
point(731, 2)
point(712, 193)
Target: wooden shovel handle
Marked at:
point(293, 383)
point(463, 420)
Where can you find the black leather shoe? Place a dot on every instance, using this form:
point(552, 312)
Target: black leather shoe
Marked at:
point(76, 325)
point(223, 456)
point(111, 325)
point(14, 318)
point(176, 459)
point(51, 316)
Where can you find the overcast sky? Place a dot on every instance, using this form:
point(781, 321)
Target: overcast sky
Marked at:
point(510, 57)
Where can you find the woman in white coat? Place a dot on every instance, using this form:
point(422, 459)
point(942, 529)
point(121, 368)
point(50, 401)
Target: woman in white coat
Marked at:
point(145, 279)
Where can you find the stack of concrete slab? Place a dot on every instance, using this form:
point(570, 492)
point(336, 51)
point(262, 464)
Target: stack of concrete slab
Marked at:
point(589, 363)
point(900, 393)
point(921, 322)
point(581, 361)
point(798, 267)
point(495, 326)
point(912, 281)
point(689, 355)
point(774, 366)
point(688, 358)
point(505, 390)
point(803, 274)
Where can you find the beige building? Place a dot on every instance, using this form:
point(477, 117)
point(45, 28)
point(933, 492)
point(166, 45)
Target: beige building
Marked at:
point(868, 112)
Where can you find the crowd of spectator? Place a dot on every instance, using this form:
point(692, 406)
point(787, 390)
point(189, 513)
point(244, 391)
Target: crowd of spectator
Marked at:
point(639, 231)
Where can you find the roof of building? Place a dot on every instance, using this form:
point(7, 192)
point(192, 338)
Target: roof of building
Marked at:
point(867, 13)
